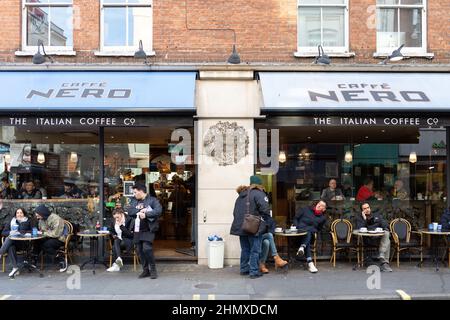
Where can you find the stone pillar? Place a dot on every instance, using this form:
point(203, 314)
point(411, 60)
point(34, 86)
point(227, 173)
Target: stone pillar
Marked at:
point(227, 101)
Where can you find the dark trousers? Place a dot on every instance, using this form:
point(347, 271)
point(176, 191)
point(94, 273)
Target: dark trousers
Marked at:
point(145, 251)
point(9, 246)
point(119, 245)
point(48, 246)
point(305, 241)
point(250, 252)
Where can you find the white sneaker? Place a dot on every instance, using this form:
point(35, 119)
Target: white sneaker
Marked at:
point(119, 262)
point(301, 251)
point(13, 272)
point(114, 268)
point(312, 268)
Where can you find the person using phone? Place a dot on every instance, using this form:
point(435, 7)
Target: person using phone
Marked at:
point(122, 237)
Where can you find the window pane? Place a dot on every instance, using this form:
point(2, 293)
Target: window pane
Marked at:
point(61, 27)
point(140, 1)
point(333, 27)
point(309, 27)
point(419, 2)
point(114, 1)
point(309, 2)
point(50, 1)
point(411, 27)
point(37, 25)
point(332, 1)
point(387, 28)
point(139, 26)
point(115, 27)
point(387, 1)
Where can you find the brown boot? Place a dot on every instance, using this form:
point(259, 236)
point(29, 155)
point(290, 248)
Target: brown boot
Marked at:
point(279, 263)
point(262, 268)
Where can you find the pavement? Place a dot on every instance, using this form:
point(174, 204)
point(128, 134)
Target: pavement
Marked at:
point(195, 282)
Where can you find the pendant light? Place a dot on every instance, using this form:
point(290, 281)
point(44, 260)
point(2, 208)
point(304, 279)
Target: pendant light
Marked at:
point(413, 157)
point(348, 156)
point(282, 157)
point(41, 157)
point(73, 157)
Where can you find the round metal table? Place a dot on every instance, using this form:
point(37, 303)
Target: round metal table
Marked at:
point(27, 262)
point(93, 248)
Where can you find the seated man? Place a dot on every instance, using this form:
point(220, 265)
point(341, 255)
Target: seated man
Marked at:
point(123, 237)
point(332, 193)
point(52, 227)
point(398, 191)
point(366, 192)
point(310, 219)
point(371, 221)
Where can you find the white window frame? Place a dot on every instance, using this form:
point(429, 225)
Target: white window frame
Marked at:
point(26, 49)
point(123, 50)
point(337, 51)
point(406, 51)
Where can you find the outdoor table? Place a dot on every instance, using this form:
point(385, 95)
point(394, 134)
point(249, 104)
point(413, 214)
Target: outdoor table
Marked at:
point(27, 262)
point(435, 244)
point(93, 248)
point(290, 236)
point(360, 236)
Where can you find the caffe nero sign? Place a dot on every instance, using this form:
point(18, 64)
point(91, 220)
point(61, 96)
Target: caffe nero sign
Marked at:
point(355, 91)
point(96, 91)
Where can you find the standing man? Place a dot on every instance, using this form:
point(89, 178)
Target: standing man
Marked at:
point(371, 221)
point(255, 199)
point(145, 210)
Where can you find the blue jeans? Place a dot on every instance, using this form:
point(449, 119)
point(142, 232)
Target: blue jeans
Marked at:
point(306, 243)
point(250, 251)
point(267, 243)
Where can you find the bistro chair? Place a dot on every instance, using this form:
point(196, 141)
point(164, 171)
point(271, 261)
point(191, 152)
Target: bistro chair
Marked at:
point(314, 249)
point(63, 250)
point(133, 254)
point(401, 233)
point(341, 234)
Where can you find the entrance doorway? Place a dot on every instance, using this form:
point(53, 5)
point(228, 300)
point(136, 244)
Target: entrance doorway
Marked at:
point(143, 155)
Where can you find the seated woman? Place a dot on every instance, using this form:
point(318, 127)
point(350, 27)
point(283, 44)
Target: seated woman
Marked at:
point(268, 242)
point(123, 238)
point(19, 224)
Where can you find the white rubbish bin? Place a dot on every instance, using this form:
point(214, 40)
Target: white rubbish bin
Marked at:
point(216, 250)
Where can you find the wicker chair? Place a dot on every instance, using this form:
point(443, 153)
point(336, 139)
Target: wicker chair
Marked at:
point(341, 234)
point(401, 233)
point(63, 250)
point(133, 254)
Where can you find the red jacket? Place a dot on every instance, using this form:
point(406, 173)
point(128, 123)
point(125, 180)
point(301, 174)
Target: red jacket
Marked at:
point(364, 193)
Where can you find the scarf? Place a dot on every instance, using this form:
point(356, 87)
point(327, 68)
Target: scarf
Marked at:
point(317, 213)
point(17, 222)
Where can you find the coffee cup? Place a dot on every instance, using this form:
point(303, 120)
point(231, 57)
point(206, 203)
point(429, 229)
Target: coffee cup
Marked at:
point(363, 229)
point(439, 228)
point(435, 225)
point(278, 230)
point(379, 229)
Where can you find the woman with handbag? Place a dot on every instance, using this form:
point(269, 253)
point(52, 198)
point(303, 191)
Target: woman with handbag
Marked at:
point(251, 209)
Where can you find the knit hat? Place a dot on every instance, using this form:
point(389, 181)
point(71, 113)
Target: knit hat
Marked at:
point(255, 180)
point(43, 211)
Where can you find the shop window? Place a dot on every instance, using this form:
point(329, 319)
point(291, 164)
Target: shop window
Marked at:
point(49, 21)
point(401, 22)
point(323, 22)
point(124, 23)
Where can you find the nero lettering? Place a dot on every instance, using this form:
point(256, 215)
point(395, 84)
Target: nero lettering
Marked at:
point(81, 93)
point(361, 95)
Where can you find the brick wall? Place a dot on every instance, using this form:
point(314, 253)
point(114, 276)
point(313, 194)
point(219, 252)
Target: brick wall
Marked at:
point(266, 32)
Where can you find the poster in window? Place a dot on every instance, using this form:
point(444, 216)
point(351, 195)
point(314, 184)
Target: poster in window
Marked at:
point(331, 169)
point(128, 188)
point(388, 179)
point(20, 155)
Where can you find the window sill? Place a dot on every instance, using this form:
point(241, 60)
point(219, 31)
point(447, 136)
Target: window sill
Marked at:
point(300, 54)
point(120, 53)
point(49, 52)
point(382, 55)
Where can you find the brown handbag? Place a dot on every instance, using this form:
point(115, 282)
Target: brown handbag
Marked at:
point(251, 222)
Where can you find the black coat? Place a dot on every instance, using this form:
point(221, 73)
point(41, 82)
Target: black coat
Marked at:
point(151, 216)
point(376, 220)
point(24, 227)
point(306, 220)
point(445, 220)
point(126, 230)
point(259, 205)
